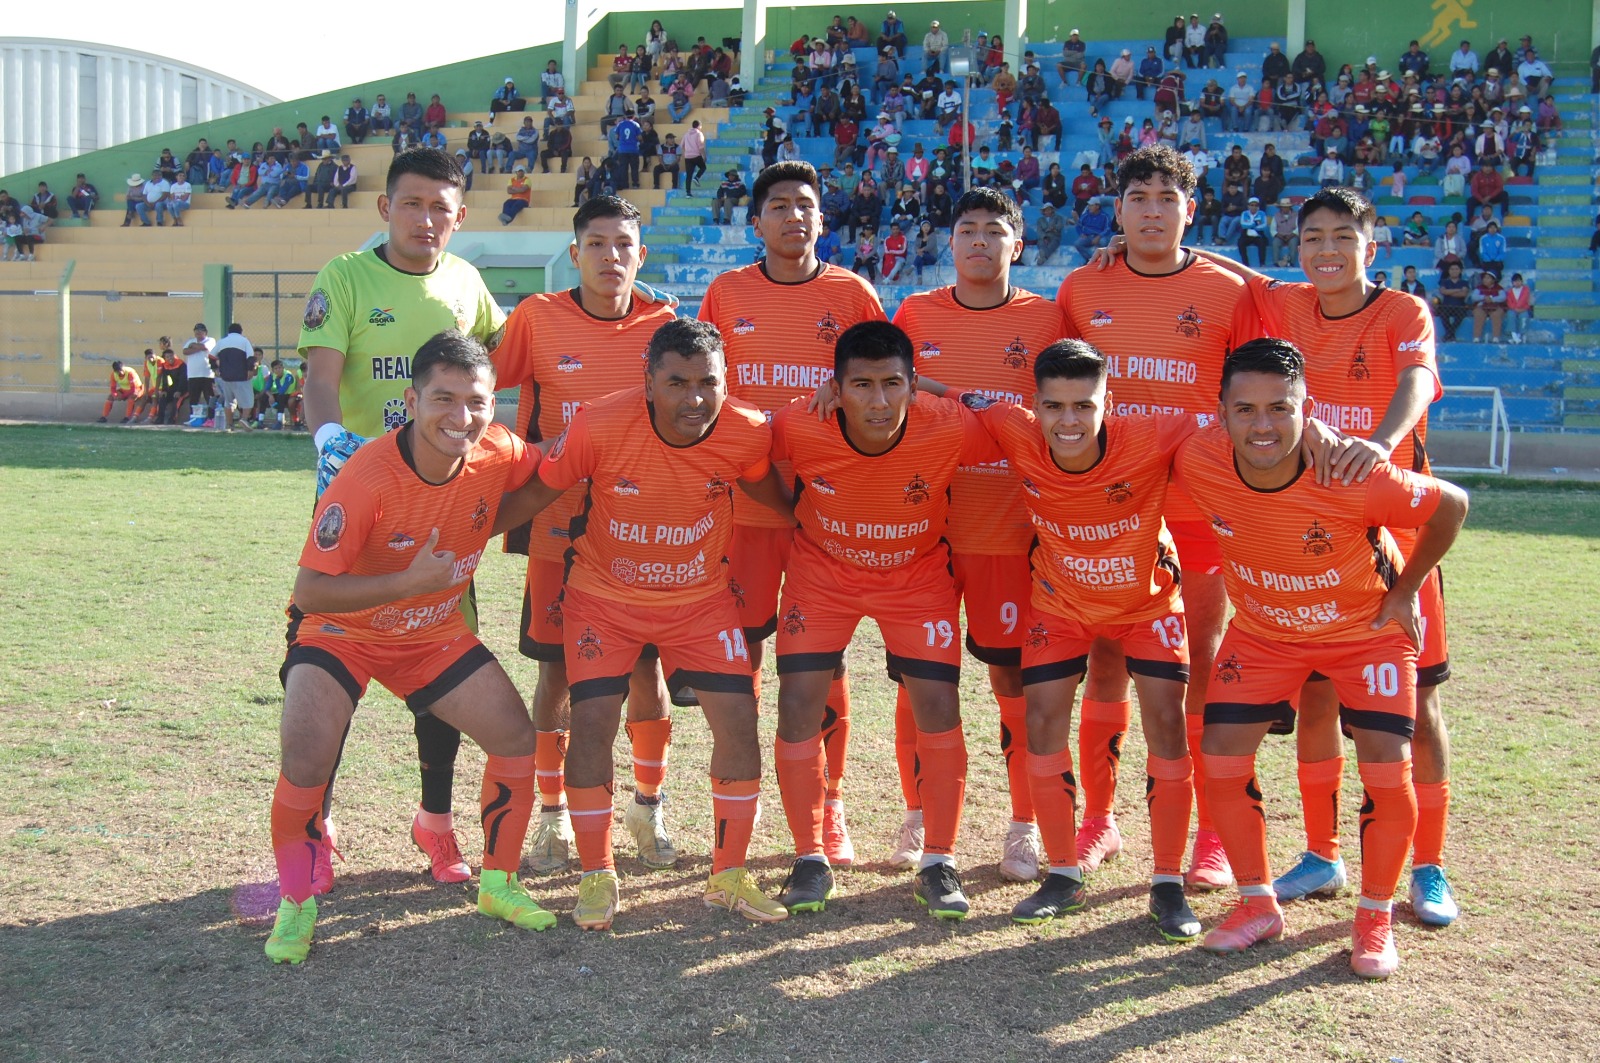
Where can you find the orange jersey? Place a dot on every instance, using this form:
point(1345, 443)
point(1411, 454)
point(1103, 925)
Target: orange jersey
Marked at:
point(562, 357)
point(991, 352)
point(378, 513)
point(1353, 363)
point(779, 340)
point(884, 510)
point(1164, 337)
point(1102, 554)
point(656, 520)
point(1304, 563)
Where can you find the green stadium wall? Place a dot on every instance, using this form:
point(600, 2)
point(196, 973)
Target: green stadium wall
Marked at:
point(1350, 30)
point(631, 27)
point(1052, 20)
point(786, 24)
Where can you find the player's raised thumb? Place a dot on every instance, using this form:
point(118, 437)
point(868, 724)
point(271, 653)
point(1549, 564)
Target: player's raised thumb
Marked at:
point(433, 540)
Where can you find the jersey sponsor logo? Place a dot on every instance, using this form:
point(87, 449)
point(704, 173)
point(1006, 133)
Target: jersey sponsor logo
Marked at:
point(1230, 670)
point(400, 541)
point(394, 414)
point(828, 328)
point(1358, 365)
point(1100, 319)
point(917, 490)
point(568, 363)
point(794, 621)
point(1030, 487)
point(929, 349)
point(391, 367)
point(717, 487)
point(1220, 526)
point(330, 528)
point(743, 326)
point(1410, 345)
point(625, 486)
point(382, 316)
point(820, 485)
point(480, 514)
point(588, 645)
point(385, 619)
point(1344, 418)
point(1318, 540)
point(1189, 322)
point(316, 314)
point(1015, 354)
point(1119, 493)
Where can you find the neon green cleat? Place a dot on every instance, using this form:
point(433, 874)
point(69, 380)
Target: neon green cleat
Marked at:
point(500, 894)
point(290, 939)
point(736, 890)
point(597, 900)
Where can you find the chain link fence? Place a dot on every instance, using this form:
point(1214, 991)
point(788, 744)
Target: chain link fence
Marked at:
point(270, 305)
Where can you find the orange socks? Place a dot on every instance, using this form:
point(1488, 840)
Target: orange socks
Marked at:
point(1014, 747)
point(591, 824)
point(1235, 799)
point(1194, 726)
point(651, 741)
point(550, 766)
point(836, 732)
point(1100, 732)
point(905, 748)
point(296, 828)
point(1169, 785)
point(1433, 812)
point(734, 804)
point(800, 785)
point(1055, 793)
point(1388, 820)
point(944, 787)
point(1320, 781)
point(507, 805)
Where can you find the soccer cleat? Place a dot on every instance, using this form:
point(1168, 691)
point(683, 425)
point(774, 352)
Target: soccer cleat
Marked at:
point(836, 844)
point(1431, 897)
point(1372, 951)
point(552, 841)
point(598, 898)
point(939, 890)
point(735, 889)
point(1250, 920)
point(322, 864)
point(1098, 841)
point(649, 830)
point(1059, 895)
point(1174, 919)
point(502, 896)
point(1209, 868)
point(1310, 875)
point(442, 851)
point(808, 887)
point(1019, 861)
point(290, 939)
point(908, 843)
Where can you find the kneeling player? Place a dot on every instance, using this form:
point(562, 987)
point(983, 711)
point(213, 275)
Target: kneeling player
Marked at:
point(1318, 586)
point(393, 544)
point(647, 568)
point(875, 492)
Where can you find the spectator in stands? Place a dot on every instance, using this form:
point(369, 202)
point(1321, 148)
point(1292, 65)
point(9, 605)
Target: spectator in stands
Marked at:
point(1274, 66)
point(157, 190)
point(1411, 285)
point(730, 193)
point(1031, 86)
point(435, 116)
point(1287, 107)
point(478, 145)
point(1361, 179)
point(382, 115)
point(1207, 217)
point(1450, 249)
point(218, 170)
point(1046, 126)
point(1535, 73)
point(1415, 232)
point(357, 121)
point(892, 34)
point(1209, 105)
point(1074, 59)
point(1099, 87)
point(557, 144)
point(82, 197)
point(940, 205)
point(526, 147)
point(906, 208)
point(1451, 302)
point(1488, 185)
point(866, 206)
point(835, 205)
point(846, 134)
point(552, 81)
point(1172, 48)
point(617, 104)
point(694, 156)
point(1216, 43)
point(1254, 227)
point(935, 49)
point(405, 138)
point(519, 194)
point(167, 164)
point(468, 167)
point(1239, 110)
point(669, 162)
point(1519, 307)
point(327, 136)
point(1234, 202)
point(268, 180)
point(824, 112)
point(505, 98)
point(435, 138)
point(867, 252)
point(1194, 43)
point(499, 157)
point(194, 164)
point(886, 75)
point(1488, 304)
point(1094, 230)
point(894, 105)
point(411, 111)
point(894, 253)
point(1048, 231)
point(1285, 235)
point(561, 111)
point(1456, 170)
point(1491, 250)
point(678, 99)
point(1149, 73)
point(1465, 59)
point(1309, 67)
point(628, 133)
point(1122, 73)
point(44, 204)
point(736, 92)
point(344, 182)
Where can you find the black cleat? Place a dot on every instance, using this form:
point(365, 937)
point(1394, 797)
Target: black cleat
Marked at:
point(1059, 895)
point(808, 887)
point(939, 890)
point(1170, 910)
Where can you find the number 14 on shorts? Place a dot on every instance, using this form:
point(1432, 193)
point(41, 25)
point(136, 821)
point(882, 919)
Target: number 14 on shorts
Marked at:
point(733, 644)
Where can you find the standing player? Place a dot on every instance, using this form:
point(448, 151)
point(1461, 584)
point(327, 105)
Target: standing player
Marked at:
point(982, 333)
point(646, 566)
point(1318, 586)
point(875, 493)
point(394, 542)
point(779, 319)
point(1165, 319)
point(1370, 370)
point(566, 349)
point(368, 311)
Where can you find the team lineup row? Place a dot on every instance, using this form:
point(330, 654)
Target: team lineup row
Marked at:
point(907, 504)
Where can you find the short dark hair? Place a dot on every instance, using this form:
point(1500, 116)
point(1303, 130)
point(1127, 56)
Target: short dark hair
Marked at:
point(1346, 202)
point(431, 163)
point(873, 341)
point(1069, 360)
point(794, 170)
point(604, 207)
point(682, 335)
point(116, 366)
point(451, 349)
point(277, 363)
point(1147, 163)
point(235, 327)
point(1273, 356)
point(991, 200)
point(201, 325)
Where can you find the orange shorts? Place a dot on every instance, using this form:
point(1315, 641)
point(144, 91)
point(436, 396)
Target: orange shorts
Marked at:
point(541, 611)
point(757, 558)
point(1198, 550)
point(1257, 681)
point(915, 605)
point(419, 673)
point(1057, 647)
point(1433, 662)
point(701, 644)
point(995, 589)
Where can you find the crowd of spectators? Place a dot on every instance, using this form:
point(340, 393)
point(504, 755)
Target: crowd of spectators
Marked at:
point(208, 384)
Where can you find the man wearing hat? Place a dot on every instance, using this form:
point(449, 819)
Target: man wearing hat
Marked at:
point(1274, 65)
point(1239, 108)
point(1074, 54)
point(1309, 65)
point(1047, 233)
point(1122, 73)
point(1150, 70)
point(506, 98)
point(935, 48)
point(729, 194)
point(1216, 43)
point(893, 35)
point(134, 199)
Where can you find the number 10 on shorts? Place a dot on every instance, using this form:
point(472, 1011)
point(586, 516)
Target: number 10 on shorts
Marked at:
point(733, 645)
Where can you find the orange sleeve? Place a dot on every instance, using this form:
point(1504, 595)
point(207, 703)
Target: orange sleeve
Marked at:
point(524, 460)
point(1249, 317)
point(1069, 331)
point(1175, 429)
point(513, 358)
point(1411, 338)
point(1396, 498)
point(978, 445)
point(572, 458)
point(344, 517)
point(708, 305)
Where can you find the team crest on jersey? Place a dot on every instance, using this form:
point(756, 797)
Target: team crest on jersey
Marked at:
point(1318, 540)
point(743, 326)
point(316, 311)
point(1189, 322)
point(821, 485)
point(381, 316)
point(394, 414)
point(1030, 487)
point(929, 349)
point(1015, 354)
point(330, 528)
point(552, 612)
point(386, 619)
point(625, 569)
point(1038, 636)
point(460, 309)
point(827, 328)
point(794, 621)
point(480, 514)
point(717, 487)
point(1100, 319)
point(568, 363)
point(1119, 493)
point(736, 591)
point(1358, 365)
point(559, 447)
point(588, 645)
point(1230, 670)
point(1220, 526)
point(917, 490)
point(400, 541)
point(625, 486)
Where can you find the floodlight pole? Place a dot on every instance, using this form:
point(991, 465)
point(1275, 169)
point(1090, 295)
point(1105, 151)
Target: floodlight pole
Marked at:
point(961, 67)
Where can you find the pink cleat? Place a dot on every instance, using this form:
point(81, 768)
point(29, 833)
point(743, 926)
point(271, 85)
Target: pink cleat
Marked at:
point(1372, 951)
point(1098, 840)
point(1250, 920)
point(322, 866)
point(440, 847)
point(1209, 869)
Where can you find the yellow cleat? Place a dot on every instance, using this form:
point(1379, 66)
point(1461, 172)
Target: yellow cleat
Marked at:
point(736, 890)
point(597, 900)
point(290, 939)
point(501, 896)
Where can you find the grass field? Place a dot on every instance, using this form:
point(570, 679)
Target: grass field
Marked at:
point(144, 582)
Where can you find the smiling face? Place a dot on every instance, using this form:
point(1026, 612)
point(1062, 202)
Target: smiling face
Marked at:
point(1335, 251)
point(687, 393)
point(1154, 213)
point(450, 412)
point(1265, 415)
point(1071, 413)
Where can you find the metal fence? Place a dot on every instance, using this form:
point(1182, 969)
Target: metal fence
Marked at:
point(270, 304)
point(104, 325)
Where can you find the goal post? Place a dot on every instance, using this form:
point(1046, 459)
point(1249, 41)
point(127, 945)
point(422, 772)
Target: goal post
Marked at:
point(1499, 433)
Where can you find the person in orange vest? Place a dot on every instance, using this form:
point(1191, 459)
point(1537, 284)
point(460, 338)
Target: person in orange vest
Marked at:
point(125, 386)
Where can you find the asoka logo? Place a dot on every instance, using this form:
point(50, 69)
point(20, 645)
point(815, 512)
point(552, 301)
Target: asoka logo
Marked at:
point(1230, 670)
point(1220, 526)
point(827, 328)
point(1015, 354)
point(381, 316)
point(394, 414)
point(1410, 345)
point(822, 487)
point(743, 326)
point(400, 541)
point(588, 645)
point(568, 363)
point(917, 491)
point(1358, 365)
point(480, 514)
point(794, 621)
point(1189, 323)
point(929, 349)
point(625, 486)
point(1099, 319)
point(1119, 493)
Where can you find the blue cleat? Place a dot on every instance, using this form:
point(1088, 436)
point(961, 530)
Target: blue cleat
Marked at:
point(1311, 874)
